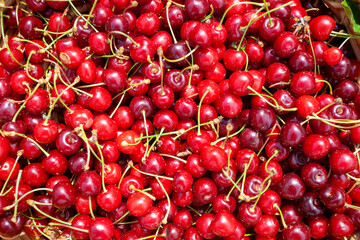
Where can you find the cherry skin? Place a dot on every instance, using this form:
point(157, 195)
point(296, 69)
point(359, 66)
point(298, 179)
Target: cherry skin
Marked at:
point(267, 226)
point(135, 201)
point(224, 224)
point(321, 27)
point(291, 186)
point(204, 190)
point(340, 226)
point(9, 228)
point(63, 195)
point(203, 225)
point(332, 196)
point(342, 161)
point(296, 231)
point(316, 146)
point(46, 132)
point(35, 175)
point(314, 175)
point(110, 199)
point(101, 228)
point(88, 183)
point(213, 158)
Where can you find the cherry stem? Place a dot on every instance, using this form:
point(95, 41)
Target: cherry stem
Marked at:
point(328, 84)
point(312, 48)
point(23, 196)
point(32, 203)
point(250, 22)
point(153, 144)
point(102, 166)
point(281, 216)
point(131, 164)
point(236, 4)
point(90, 14)
point(343, 35)
point(13, 133)
point(88, 148)
point(123, 175)
point(171, 156)
point(146, 132)
point(124, 34)
point(168, 4)
point(11, 172)
point(231, 135)
point(232, 181)
point(192, 209)
point(268, 13)
point(143, 192)
point(199, 108)
point(90, 208)
point(182, 58)
point(210, 14)
point(13, 219)
point(229, 128)
point(69, 226)
point(121, 218)
point(164, 221)
point(152, 236)
point(76, 81)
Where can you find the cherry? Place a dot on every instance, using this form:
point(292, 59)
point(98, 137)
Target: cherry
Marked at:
point(213, 158)
point(296, 231)
point(286, 44)
point(84, 205)
point(203, 225)
point(310, 205)
point(152, 219)
point(332, 196)
point(88, 183)
point(267, 226)
point(110, 198)
point(291, 186)
point(176, 16)
point(105, 127)
point(314, 175)
point(205, 58)
point(204, 190)
point(67, 142)
point(196, 9)
point(340, 225)
point(182, 181)
point(101, 228)
point(81, 222)
point(63, 195)
point(303, 83)
point(135, 201)
point(342, 161)
point(28, 27)
point(321, 27)
point(34, 175)
point(142, 50)
point(45, 132)
point(224, 223)
point(316, 146)
point(9, 228)
point(100, 100)
point(99, 44)
point(277, 74)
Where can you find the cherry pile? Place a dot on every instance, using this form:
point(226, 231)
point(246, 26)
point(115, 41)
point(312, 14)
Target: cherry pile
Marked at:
point(183, 119)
